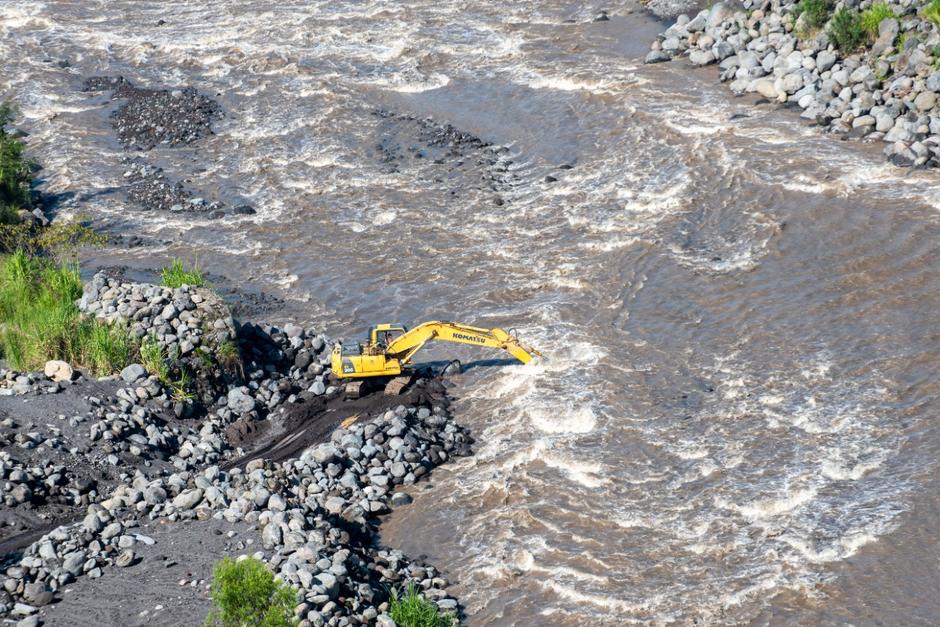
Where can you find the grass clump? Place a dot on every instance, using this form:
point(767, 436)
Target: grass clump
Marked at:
point(814, 14)
point(176, 275)
point(874, 16)
point(39, 319)
point(931, 12)
point(246, 593)
point(413, 610)
point(846, 30)
point(162, 366)
point(14, 171)
point(151, 358)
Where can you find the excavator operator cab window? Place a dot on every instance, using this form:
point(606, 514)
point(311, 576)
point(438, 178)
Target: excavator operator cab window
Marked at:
point(384, 338)
point(352, 349)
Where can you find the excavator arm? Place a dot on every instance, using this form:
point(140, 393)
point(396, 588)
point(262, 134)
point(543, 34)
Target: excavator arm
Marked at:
point(386, 354)
point(407, 344)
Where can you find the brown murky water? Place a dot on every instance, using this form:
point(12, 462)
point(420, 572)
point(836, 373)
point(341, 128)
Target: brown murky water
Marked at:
point(736, 416)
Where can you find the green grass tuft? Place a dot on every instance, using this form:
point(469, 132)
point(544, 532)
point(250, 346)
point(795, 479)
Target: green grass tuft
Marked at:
point(845, 30)
point(151, 358)
point(162, 366)
point(176, 275)
point(413, 610)
point(874, 16)
point(246, 593)
point(39, 319)
point(814, 13)
point(931, 12)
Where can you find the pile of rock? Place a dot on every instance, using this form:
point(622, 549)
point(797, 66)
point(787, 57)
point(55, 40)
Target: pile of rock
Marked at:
point(150, 117)
point(39, 483)
point(192, 325)
point(151, 190)
point(316, 514)
point(182, 320)
point(407, 140)
point(15, 383)
point(886, 92)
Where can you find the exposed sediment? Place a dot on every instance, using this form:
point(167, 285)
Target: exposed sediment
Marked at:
point(152, 117)
point(884, 90)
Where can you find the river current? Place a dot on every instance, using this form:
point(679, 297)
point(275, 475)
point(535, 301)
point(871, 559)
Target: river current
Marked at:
point(735, 418)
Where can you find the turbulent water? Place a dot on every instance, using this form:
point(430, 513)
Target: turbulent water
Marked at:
point(735, 416)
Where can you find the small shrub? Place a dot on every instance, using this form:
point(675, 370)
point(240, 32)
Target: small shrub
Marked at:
point(14, 171)
point(58, 240)
point(874, 16)
point(931, 12)
point(245, 593)
point(413, 610)
point(814, 13)
point(846, 30)
point(176, 275)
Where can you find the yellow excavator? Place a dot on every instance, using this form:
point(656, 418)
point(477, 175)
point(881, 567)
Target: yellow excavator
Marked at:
point(389, 349)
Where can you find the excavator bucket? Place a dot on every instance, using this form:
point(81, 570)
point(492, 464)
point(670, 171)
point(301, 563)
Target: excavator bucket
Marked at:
point(514, 347)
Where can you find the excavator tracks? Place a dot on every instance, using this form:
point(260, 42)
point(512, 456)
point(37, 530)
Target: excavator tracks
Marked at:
point(397, 386)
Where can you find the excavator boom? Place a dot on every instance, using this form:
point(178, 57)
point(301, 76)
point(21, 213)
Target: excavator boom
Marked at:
point(406, 345)
point(390, 347)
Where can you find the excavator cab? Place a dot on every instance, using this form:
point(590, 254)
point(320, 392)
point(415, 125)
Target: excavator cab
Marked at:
point(380, 336)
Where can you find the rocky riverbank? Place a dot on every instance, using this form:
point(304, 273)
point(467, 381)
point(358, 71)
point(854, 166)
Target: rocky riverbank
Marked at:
point(257, 440)
point(872, 73)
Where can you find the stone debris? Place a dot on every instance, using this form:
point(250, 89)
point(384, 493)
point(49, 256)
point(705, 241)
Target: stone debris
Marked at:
point(152, 117)
point(317, 510)
point(886, 92)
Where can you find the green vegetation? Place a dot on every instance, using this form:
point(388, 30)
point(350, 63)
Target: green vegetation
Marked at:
point(245, 593)
point(164, 367)
point(151, 358)
point(931, 12)
point(205, 358)
point(814, 14)
point(14, 171)
point(846, 30)
point(874, 16)
point(176, 275)
point(40, 320)
point(413, 610)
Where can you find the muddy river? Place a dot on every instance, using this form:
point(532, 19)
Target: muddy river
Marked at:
point(735, 419)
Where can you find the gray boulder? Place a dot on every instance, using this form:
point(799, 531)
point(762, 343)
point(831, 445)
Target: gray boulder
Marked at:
point(132, 373)
point(239, 401)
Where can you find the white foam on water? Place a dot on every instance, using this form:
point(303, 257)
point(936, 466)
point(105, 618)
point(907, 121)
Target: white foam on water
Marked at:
point(565, 83)
point(603, 601)
point(404, 85)
point(775, 506)
point(580, 472)
point(551, 420)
